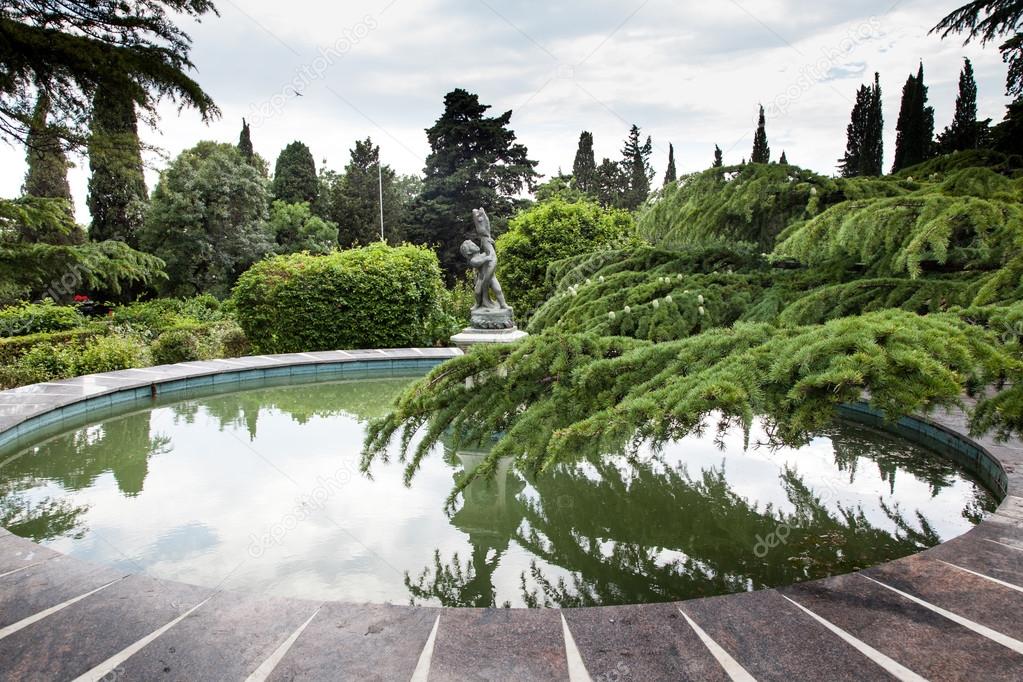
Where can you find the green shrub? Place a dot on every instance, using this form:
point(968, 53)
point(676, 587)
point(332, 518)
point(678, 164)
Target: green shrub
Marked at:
point(33, 318)
point(373, 297)
point(160, 314)
point(179, 344)
point(12, 348)
point(108, 354)
point(551, 231)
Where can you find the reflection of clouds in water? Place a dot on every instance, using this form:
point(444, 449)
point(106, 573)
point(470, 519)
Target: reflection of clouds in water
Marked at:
point(233, 470)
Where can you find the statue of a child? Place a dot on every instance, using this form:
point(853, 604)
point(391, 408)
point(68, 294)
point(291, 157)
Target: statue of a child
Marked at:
point(484, 261)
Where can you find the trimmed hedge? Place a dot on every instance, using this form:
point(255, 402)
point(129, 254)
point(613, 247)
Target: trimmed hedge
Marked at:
point(377, 296)
point(14, 347)
point(34, 318)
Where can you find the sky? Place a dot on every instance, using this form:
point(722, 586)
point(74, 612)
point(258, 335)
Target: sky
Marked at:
point(690, 74)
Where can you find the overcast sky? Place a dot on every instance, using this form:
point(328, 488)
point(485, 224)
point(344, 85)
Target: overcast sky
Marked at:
point(687, 73)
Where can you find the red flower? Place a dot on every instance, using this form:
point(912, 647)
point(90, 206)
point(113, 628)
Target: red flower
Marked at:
point(79, 298)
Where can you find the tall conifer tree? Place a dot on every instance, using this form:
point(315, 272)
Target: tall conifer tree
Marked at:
point(118, 197)
point(670, 175)
point(963, 132)
point(245, 142)
point(864, 144)
point(46, 177)
point(761, 151)
point(584, 168)
point(636, 167)
point(475, 162)
point(295, 177)
point(719, 159)
point(915, 140)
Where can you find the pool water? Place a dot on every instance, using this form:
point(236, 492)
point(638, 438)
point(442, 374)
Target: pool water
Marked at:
point(260, 490)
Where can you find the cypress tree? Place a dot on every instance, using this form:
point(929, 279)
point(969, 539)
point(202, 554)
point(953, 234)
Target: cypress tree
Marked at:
point(117, 187)
point(719, 159)
point(761, 152)
point(47, 173)
point(295, 178)
point(962, 133)
point(783, 160)
point(636, 166)
point(915, 140)
point(584, 168)
point(864, 144)
point(356, 206)
point(669, 175)
point(245, 142)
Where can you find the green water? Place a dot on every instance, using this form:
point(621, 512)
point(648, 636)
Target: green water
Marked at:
point(260, 490)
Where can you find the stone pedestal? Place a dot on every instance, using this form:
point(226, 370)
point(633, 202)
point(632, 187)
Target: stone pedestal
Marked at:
point(470, 336)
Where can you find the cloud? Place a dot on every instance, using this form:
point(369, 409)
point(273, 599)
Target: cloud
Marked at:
point(688, 73)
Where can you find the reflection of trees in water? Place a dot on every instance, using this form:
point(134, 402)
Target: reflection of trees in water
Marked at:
point(643, 531)
point(855, 442)
point(74, 461)
point(363, 400)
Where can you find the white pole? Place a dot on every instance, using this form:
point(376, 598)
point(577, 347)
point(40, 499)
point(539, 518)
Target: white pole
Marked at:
point(380, 184)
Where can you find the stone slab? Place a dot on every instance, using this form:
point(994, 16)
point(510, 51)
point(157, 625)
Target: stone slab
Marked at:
point(358, 642)
point(641, 642)
point(76, 639)
point(499, 645)
point(225, 639)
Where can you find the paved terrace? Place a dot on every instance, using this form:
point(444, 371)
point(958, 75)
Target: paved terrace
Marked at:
point(952, 612)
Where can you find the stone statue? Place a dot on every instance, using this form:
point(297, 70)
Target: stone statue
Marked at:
point(488, 312)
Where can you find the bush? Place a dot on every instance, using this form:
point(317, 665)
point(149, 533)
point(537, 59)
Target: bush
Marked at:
point(180, 344)
point(550, 231)
point(33, 318)
point(373, 297)
point(163, 313)
point(108, 354)
point(14, 347)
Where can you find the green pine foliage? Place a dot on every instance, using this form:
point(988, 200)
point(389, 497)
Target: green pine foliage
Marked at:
point(970, 220)
point(118, 198)
point(584, 167)
point(751, 203)
point(556, 395)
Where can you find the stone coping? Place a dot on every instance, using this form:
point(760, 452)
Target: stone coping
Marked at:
point(950, 612)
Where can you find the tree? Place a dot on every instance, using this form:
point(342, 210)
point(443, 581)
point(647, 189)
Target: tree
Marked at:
point(636, 169)
point(783, 160)
point(612, 184)
point(356, 201)
point(295, 178)
point(68, 49)
point(864, 144)
point(584, 168)
point(207, 219)
point(718, 157)
point(474, 162)
point(761, 152)
point(963, 132)
point(245, 142)
point(988, 20)
point(914, 142)
point(46, 177)
point(295, 228)
point(669, 175)
point(118, 197)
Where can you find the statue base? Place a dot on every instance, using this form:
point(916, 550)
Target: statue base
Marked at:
point(471, 336)
point(492, 318)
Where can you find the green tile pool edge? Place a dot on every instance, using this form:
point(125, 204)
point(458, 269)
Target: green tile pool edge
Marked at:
point(32, 427)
